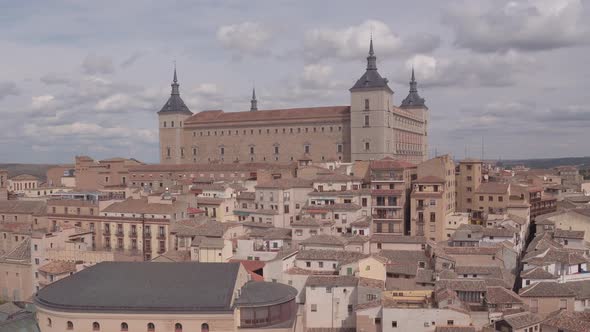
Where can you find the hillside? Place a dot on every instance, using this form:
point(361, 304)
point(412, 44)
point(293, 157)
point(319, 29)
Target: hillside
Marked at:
point(38, 170)
point(581, 162)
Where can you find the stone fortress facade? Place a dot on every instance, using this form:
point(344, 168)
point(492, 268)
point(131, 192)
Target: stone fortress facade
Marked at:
point(370, 128)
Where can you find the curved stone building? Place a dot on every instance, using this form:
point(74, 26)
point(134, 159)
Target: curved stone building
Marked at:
point(172, 297)
point(370, 127)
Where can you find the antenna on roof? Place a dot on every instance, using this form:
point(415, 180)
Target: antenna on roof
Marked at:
point(482, 149)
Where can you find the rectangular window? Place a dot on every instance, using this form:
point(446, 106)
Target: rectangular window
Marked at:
point(562, 304)
point(367, 104)
point(366, 120)
point(314, 308)
point(306, 148)
point(367, 146)
point(339, 148)
point(394, 324)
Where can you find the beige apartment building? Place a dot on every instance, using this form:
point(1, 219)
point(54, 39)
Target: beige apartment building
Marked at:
point(3, 184)
point(433, 198)
point(491, 198)
point(390, 182)
point(468, 177)
point(105, 174)
point(371, 127)
point(20, 183)
point(15, 273)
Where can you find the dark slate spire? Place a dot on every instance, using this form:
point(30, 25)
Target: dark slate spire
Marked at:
point(413, 99)
point(175, 85)
point(253, 101)
point(175, 103)
point(371, 59)
point(371, 79)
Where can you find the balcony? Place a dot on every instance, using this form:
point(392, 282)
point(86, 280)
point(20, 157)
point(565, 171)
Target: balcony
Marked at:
point(161, 236)
point(147, 235)
point(120, 234)
point(420, 207)
point(106, 232)
point(133, 234)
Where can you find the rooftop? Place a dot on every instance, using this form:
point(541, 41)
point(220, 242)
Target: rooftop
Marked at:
point(121, 286)
point(547, 289)
point(256, 293)
point(214, 117)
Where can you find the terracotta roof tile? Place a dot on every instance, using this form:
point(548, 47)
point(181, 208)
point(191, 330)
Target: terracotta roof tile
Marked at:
point(211, 118)
point(58, 267)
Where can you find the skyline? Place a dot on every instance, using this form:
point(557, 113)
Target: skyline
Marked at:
point(507, 71)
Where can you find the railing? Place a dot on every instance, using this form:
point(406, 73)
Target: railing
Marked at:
point(120, 234)
point(147, 235)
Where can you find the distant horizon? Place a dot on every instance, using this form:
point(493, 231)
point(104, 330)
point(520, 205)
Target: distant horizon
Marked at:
point(456, 159)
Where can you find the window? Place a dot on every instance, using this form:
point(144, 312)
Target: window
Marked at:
point(204, 327)
point(314, 308)
point(222, 150)
point(177, 327)
point(339, 148)
point(481, 198)
point(95, 326)
point(276, 150)
point(562, 304)
point(49, 322)
point(69, 325)
point(450, 322)
point(349, 308)
point(394, 323)
point(500, 199)
point(124, 327)
point(366, 120)
point(491, 198)
point(367, 146)
point(367, 104)
point(151, 327)
point(377, 320)
point(306, 148)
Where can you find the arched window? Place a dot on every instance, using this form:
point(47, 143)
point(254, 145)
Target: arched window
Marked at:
point(69, 325)
point(95, 326)
point(124, 326)
point(151, 327)
point(204, 327)
point(49, 322)
point(177, 327)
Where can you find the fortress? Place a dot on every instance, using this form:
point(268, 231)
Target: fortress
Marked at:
point(371, 127)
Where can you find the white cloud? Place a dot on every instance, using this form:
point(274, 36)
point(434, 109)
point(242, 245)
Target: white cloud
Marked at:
point(530, 25)
point(353, 42)
point(247, 37)
point(470, 70)
point(41, 102)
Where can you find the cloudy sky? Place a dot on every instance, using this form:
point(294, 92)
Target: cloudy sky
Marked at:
point(87, 77)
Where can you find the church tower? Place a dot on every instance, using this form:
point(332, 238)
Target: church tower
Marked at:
point(371, 100)
point(171, 120)
point(415, 104)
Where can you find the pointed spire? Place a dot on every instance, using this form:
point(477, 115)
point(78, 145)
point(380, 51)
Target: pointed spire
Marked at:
point(413, 99)
point(371, 59)
point(413, 83)
point(253, 101)
point(175, 85)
